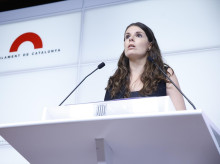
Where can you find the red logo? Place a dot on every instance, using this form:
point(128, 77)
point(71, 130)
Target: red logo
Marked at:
point(29, 36)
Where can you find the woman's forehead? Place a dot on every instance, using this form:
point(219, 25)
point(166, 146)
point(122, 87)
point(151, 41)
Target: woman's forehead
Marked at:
point(134, 29)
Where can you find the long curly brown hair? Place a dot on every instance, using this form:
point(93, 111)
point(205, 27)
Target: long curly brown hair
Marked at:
point(151, 76)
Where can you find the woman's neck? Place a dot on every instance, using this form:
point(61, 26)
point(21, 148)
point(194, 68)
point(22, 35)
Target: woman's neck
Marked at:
point(136, 69)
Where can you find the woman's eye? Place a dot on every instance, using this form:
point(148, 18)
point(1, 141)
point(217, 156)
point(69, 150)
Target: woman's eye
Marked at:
point(139, 35)
point(127, 36)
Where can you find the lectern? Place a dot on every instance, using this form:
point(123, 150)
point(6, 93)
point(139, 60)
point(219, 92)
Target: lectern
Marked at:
point(129, 131)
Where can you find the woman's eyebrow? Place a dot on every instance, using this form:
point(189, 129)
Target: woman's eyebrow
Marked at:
point(135, 32)
point(139, 32)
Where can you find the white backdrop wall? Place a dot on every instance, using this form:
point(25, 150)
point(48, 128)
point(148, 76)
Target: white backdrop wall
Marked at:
point(187, 32)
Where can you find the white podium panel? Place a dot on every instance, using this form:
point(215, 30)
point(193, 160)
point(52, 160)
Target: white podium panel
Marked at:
point(159, 137)
point(110, 108)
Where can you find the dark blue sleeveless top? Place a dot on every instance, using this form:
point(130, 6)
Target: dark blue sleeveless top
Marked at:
point(160, 91)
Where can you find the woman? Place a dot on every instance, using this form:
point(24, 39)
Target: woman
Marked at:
point(138, 77)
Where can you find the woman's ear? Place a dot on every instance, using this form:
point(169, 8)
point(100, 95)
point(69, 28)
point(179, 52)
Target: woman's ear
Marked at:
point(150, 45)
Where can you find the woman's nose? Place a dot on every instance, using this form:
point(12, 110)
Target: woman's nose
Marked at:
point(131, 38)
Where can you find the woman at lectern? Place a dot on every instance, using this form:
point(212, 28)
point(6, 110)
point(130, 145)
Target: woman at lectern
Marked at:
point(140, 69)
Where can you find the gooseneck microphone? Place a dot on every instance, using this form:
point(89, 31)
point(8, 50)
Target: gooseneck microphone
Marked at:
point(152, 61)
point(100, 66)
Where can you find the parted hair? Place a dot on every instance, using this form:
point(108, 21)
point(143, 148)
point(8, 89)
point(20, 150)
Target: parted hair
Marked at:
point(151, 76)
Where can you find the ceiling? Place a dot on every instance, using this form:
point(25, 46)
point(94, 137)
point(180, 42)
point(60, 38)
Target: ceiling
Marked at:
point(7, 5)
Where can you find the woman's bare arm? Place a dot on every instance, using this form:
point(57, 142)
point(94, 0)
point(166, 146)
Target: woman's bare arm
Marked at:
point(174, 94)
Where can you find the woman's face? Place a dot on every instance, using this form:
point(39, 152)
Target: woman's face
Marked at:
point(136, 43)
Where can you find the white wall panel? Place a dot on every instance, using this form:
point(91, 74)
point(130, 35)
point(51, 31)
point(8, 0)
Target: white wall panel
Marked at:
point(178, 25)
point(94, 3)
point(8, 155)
point(198, 74)
point(93, 88)
point(57, 33)
point(40, 11)
point(25, 95)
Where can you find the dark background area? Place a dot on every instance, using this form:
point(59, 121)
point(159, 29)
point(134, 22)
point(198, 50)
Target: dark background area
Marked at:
point(7, 5)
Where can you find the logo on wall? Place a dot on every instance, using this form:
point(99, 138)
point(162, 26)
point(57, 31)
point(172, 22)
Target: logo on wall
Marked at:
point(29, 36)
point(37, 42)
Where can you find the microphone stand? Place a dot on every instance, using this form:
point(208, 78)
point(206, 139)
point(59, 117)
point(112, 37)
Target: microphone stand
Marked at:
point(99, 67)
point(151, 60)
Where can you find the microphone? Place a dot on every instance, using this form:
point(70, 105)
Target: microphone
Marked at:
point(100, 66)
point(152, 61)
